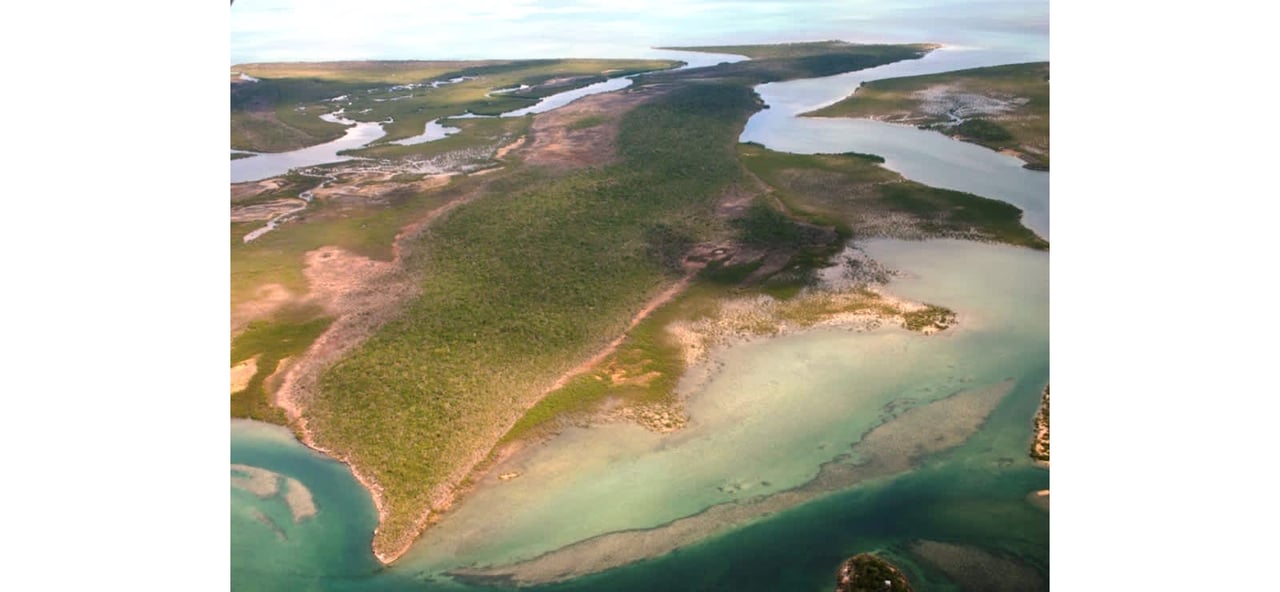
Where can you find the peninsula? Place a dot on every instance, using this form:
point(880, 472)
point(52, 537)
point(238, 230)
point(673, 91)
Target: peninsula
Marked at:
point(423, 309)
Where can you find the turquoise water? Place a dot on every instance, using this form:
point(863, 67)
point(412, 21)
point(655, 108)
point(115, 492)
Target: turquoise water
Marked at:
point(974, 494)
point(332, 545)
point(778, 409)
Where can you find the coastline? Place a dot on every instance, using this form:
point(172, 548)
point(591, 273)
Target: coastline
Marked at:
point(894, 446)
point(355, 324)
point(1040, 439)
point(503, 451)
point(859, 306)
point(351, 328)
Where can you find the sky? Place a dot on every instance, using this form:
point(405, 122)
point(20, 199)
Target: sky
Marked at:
point(314, 30)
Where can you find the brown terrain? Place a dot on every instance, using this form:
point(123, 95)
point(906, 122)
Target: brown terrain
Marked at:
point(556, 144)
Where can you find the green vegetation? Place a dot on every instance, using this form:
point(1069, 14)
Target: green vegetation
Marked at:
point(279, 115)
point(869, 200)
point(983, 131)
point(763, 226)
point(537, 272)
point(809, 242)
point(587, 122)
point(522, 284)
point(643, 370)
point(1040, 443)
point(867, 573)
point(1012, 103)
point(239, 155)
point(277, 256)
point(929, 316)
point(281, 111)
point(271, 342)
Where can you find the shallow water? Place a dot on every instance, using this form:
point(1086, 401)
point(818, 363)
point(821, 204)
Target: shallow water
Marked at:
point(433, 131)
point(778, 408)
point(331, 545)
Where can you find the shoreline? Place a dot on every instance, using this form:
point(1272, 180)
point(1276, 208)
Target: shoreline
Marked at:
point(353, 327)
point(942, 101)
point(304, 372)
point(501, 452)
point(348, 332)
point(968, 410)
point(711, 342)
point(286, 399)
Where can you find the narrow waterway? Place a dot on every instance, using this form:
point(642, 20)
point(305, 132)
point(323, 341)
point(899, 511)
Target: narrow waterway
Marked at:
point(270, 164)
point(920, 155)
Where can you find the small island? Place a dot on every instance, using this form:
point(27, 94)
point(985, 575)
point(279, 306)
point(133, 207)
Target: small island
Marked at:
point(866, 572)
point(1040, 449)
point(1005, 108)
point(1040, 445)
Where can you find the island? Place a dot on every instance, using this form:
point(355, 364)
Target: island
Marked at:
point(422, 310)
point(1040, 444)
point(1004, 108)
point(867, 572)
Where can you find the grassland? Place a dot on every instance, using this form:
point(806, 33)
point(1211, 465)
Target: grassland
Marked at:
point(271, 342)
point(282, 110)
point(1000, 107)
point(855, 193)
point(277, 257)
